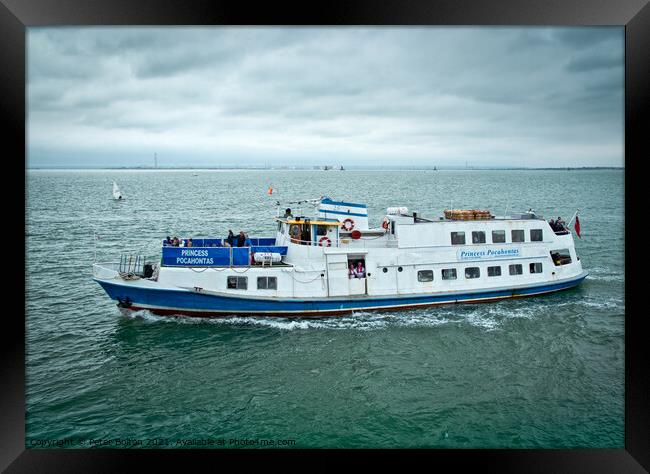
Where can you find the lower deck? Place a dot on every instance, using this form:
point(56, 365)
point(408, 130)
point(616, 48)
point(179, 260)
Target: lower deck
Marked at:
point(199, 303)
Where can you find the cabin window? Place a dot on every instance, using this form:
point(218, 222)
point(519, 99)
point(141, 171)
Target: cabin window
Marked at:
point(237, 283)
point(536, 235)
point(478, 237)
point(321, 230)
point(458, 238)
point(425, 275)
point(472, 272)
point(448, 273)
point(536, 267)
point(267, 283)
point(392, 227)
point(518, 235)
point(494, 271)
point(498, 236)
point(561, 257)
point(516, 269)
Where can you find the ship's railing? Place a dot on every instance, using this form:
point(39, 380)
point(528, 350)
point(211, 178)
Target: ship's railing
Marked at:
point(215, 256)
point(131, 264)
point(212, 242)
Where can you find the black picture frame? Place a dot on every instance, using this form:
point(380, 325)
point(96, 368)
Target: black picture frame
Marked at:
point(17, 15)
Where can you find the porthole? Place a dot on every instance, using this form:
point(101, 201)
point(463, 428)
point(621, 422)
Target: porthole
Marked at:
point(399, 269)
point(385, 270)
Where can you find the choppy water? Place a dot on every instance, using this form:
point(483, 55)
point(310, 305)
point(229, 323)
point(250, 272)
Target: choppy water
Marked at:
point(543, 372)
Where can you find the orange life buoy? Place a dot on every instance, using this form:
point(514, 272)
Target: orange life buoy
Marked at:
point(348, 224)
point(384, 224)
point(328, 242)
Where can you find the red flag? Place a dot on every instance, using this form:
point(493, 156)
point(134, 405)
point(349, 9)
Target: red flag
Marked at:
point(576, 226)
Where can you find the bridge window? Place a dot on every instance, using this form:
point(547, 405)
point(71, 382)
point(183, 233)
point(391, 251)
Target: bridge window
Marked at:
point(498, 236)
point(561, 257)
point(472, 272)
point(425, 275)
point(516, 269)
point(536, 235)
point(449, 274)
point(494, 271)
point(237, 283)
point(267, 283)
point(478, 237)
point(518, 235)
point(536, 267)
point(458, 238)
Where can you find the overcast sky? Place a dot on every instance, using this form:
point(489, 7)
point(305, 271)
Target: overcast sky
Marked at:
point(312, 96)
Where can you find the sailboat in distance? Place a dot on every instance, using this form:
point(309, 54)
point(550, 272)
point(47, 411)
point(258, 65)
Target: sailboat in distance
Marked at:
point(117, 194)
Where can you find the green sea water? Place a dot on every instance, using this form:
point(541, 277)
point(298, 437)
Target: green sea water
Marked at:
point(540, 372)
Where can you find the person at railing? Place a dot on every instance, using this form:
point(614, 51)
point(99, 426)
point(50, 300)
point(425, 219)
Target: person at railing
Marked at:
point(287, 213)
point(248, 242)
point(189, 242)
point(351, 272)
point(241, 239)
point(230, 240)
point(168, 242)
point(175, 242)
point(552, 224)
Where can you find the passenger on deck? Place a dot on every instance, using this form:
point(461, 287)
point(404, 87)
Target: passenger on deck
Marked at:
point(175, 242)
point(230, 240)
point(241, 239)
point(287, 213)
point(552, 224)
point(248, 242)
point(359, 271)
point(295, 234)
point(182, 243)
point(561, 225)
point(305, 237)
point(351, 272)
point(189, 242)
point(168, 242)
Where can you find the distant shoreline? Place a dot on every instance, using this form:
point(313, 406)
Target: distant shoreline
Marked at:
point(289, 168)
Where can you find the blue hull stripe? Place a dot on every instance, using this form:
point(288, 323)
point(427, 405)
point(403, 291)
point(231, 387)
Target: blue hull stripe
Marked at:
point(181, 300)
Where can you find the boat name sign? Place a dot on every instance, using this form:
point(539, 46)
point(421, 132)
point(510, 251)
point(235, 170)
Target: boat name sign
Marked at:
point(490, 253)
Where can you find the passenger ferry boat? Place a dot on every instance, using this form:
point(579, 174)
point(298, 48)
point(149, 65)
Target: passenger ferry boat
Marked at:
point(309, 268)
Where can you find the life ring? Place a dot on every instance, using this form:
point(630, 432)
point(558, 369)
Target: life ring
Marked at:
point(384, 224)
point(348, 224)
point(328, 242)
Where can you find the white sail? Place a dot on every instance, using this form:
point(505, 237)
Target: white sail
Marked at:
point(117, 194)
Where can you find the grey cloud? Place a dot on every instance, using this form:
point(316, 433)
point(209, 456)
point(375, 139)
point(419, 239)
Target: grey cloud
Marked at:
point(354, 92)
point(593, 62)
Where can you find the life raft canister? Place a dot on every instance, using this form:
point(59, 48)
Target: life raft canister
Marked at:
point(384, 224)
point(326, 240)
point(356, 235)
point(348, 224)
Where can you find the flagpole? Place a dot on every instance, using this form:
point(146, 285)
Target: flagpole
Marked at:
point(574, 216)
